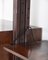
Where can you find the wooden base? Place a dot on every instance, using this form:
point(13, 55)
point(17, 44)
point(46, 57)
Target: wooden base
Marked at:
point(37, 52)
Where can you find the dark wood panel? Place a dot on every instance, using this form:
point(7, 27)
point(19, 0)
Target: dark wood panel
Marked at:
point(32, 35)
point(6, 37)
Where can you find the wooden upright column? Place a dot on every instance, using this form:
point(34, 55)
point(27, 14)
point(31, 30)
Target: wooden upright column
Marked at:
point(21, 12)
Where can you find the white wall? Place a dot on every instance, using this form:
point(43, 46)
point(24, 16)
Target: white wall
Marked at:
point(34, 12)
point(6, 15)
point(43, 17)
point(8, 10)
point(0, 9)
point(1, 13)
point(39, 16)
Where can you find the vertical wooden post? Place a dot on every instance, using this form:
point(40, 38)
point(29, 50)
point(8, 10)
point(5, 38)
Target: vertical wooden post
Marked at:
point(21, 10)
point(27, 13)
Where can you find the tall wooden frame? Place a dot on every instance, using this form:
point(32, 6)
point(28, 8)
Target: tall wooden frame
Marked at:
point(21, 11)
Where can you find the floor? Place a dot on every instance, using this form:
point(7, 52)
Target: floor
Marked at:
point(40, 52)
